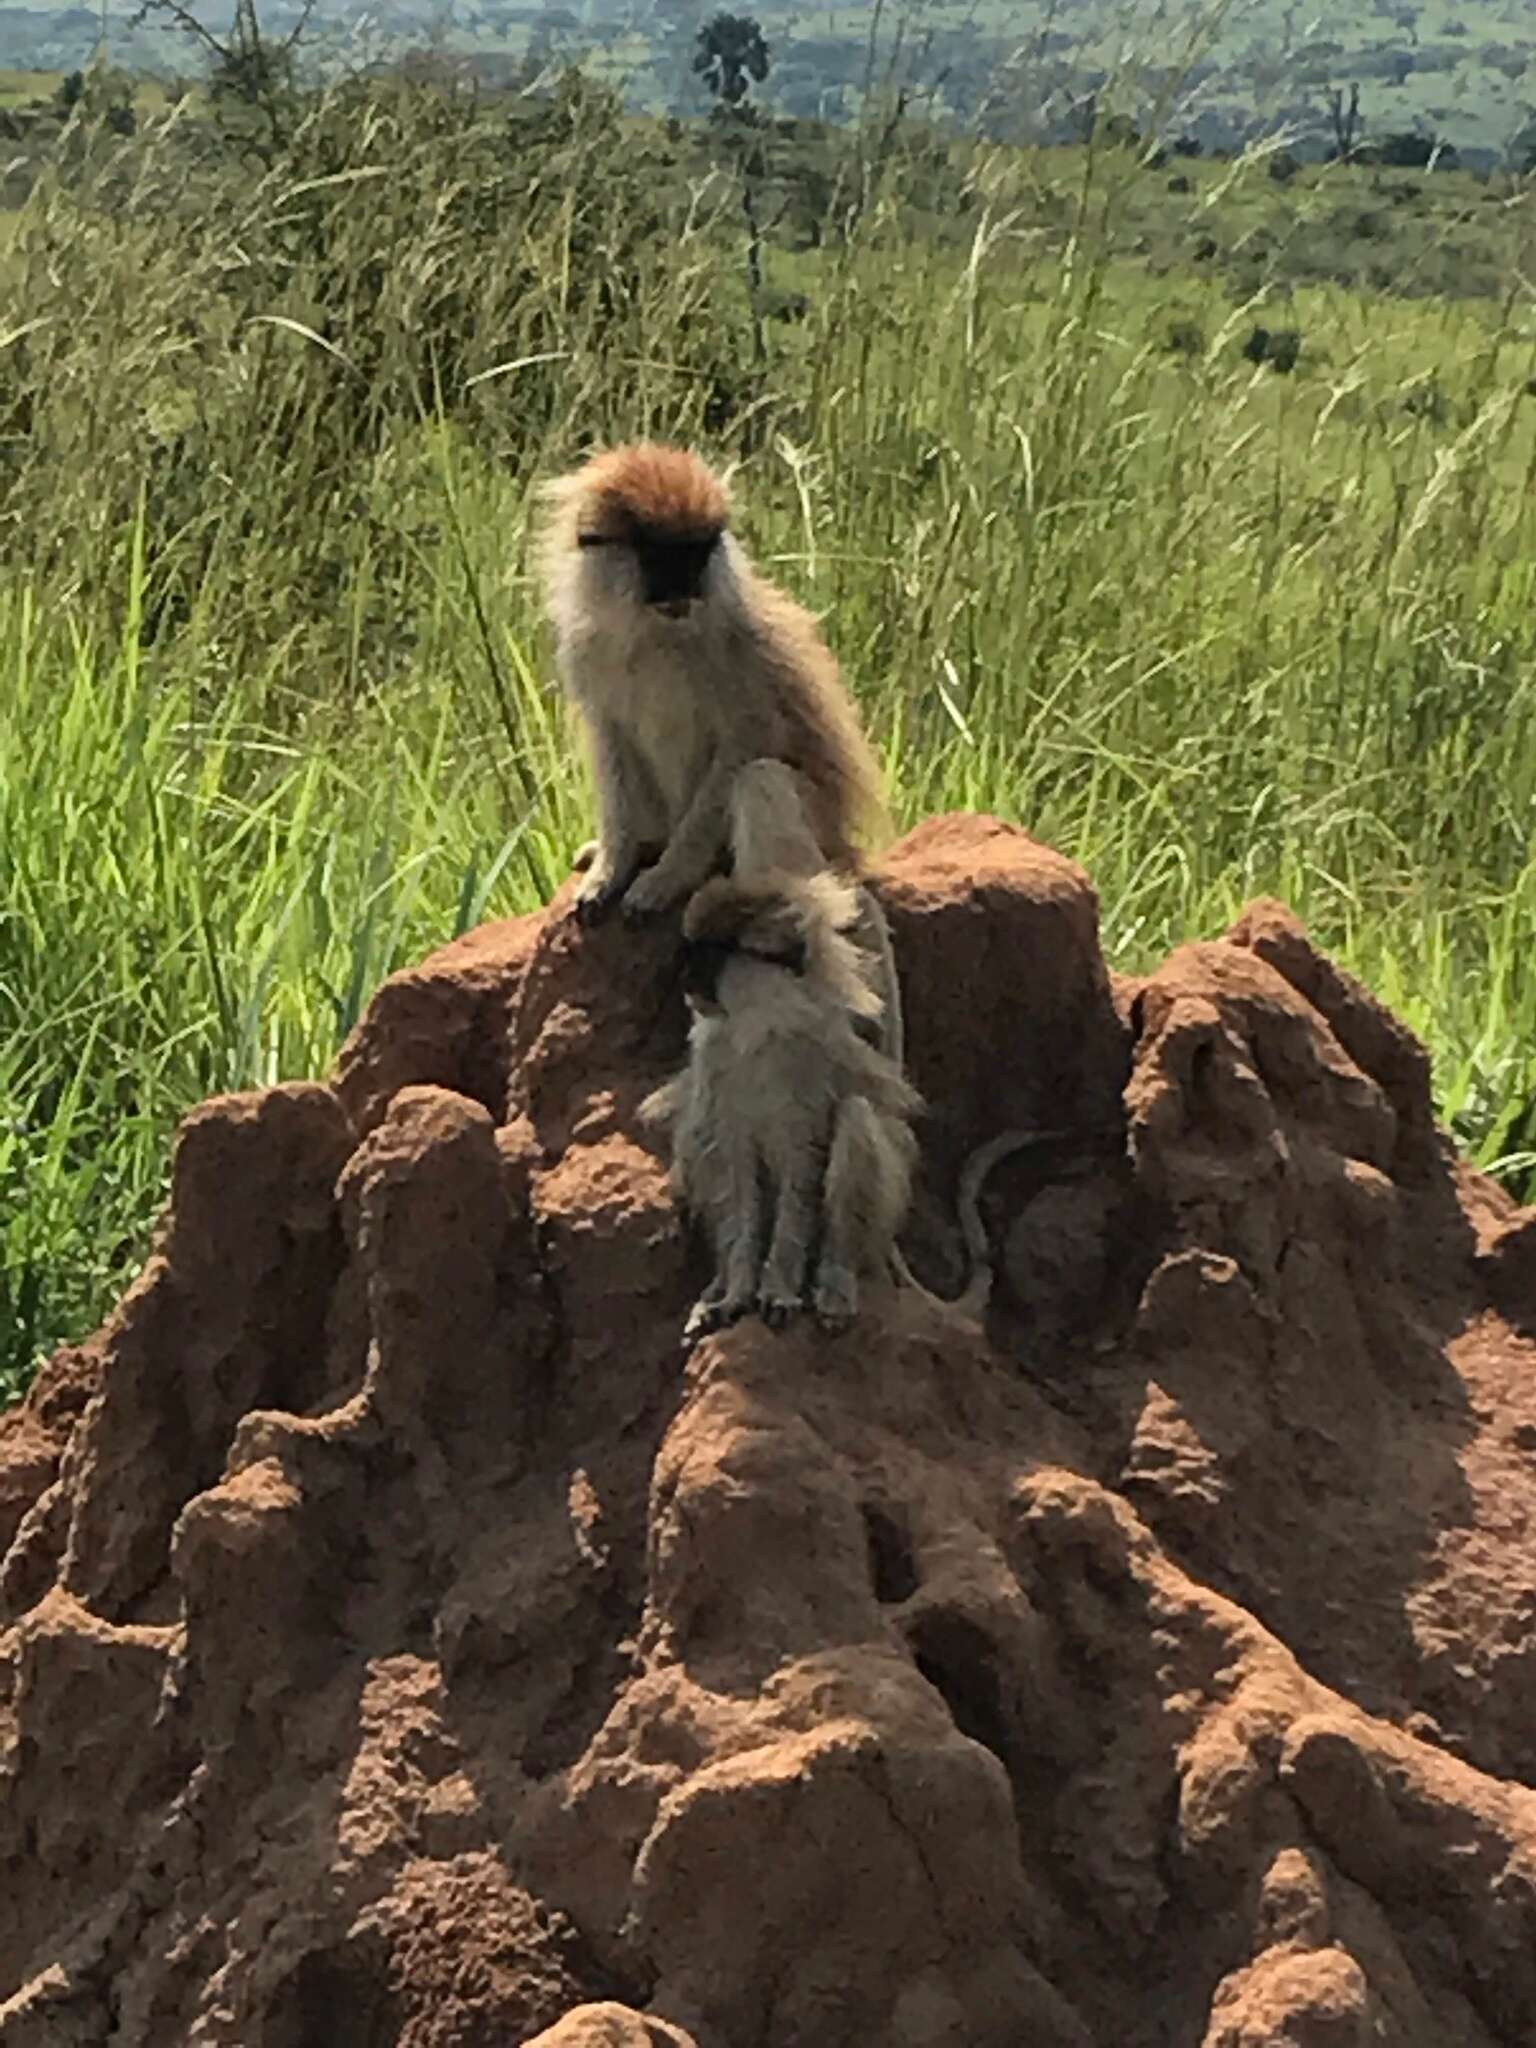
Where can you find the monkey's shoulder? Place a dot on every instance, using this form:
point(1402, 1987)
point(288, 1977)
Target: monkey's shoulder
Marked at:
point(779, 1028)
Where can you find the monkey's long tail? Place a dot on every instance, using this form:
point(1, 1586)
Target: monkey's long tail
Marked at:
point(972, 1301)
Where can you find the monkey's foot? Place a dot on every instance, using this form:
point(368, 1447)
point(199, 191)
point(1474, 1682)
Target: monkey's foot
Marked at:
point(712, 1312)
point(778, 1311)
point(837, 1300)
point(704, 1316)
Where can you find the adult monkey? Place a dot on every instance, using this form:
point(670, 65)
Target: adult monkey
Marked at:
point(684, 663)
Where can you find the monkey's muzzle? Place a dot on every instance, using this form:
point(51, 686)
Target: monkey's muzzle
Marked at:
point(672, 573)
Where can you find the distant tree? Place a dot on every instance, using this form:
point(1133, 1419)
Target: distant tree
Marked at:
point(731, 53)
point(1119, 131)
point(246, 65)
point(105, 94)
point(1346, 124)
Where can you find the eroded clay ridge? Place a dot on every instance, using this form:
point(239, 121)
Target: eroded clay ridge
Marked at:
point(402, 1646)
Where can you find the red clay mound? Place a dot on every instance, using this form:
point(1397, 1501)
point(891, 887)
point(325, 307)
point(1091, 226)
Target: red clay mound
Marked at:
point(403, 1646)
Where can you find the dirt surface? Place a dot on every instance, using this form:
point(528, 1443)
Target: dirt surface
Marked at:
point(402, 1644)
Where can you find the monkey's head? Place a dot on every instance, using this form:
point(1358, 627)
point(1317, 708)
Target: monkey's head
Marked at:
point(794, 924)
point(646, 525)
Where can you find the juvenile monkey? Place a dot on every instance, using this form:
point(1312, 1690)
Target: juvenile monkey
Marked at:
point(792, 1135)
point(792, 1125)
point(684, 664)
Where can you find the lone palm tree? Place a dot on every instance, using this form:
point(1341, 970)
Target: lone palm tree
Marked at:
point(731, 52)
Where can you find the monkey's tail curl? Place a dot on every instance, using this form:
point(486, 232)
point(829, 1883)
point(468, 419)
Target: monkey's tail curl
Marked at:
point(973, 1298)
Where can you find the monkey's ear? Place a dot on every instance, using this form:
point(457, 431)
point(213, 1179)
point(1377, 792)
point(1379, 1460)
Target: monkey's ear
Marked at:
point(559, 494)
point(554, 514)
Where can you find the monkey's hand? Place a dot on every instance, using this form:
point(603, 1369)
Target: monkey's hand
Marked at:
point(584, 856)
point(653, 891)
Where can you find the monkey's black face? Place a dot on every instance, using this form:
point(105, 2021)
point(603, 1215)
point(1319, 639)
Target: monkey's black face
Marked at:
point(672, 570)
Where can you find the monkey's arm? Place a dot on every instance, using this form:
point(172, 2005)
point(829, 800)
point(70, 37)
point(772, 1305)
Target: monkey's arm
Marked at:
point(623, 813)
point(664, 1106)
point(797, 1197)
point(691, 853)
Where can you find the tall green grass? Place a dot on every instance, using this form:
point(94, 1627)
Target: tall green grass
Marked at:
point(276, 708)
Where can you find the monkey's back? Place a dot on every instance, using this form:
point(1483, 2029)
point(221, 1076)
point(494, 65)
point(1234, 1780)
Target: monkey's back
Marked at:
point(819, 731)
point(781, 1060)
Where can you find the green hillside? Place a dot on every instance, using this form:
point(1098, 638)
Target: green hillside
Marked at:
point(1466, 72)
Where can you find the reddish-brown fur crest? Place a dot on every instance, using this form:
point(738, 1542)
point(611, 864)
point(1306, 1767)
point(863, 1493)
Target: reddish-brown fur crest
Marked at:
point(649, 487)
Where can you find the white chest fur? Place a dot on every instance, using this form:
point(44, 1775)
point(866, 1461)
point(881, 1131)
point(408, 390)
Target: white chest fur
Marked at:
point(661, 684)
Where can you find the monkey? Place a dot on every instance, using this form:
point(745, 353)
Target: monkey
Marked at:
point(683, 663)
point(770, 835)
point(792, 1123)
point(792, 1132)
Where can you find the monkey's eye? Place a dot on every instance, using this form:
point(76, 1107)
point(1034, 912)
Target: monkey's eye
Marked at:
point(597, 540)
